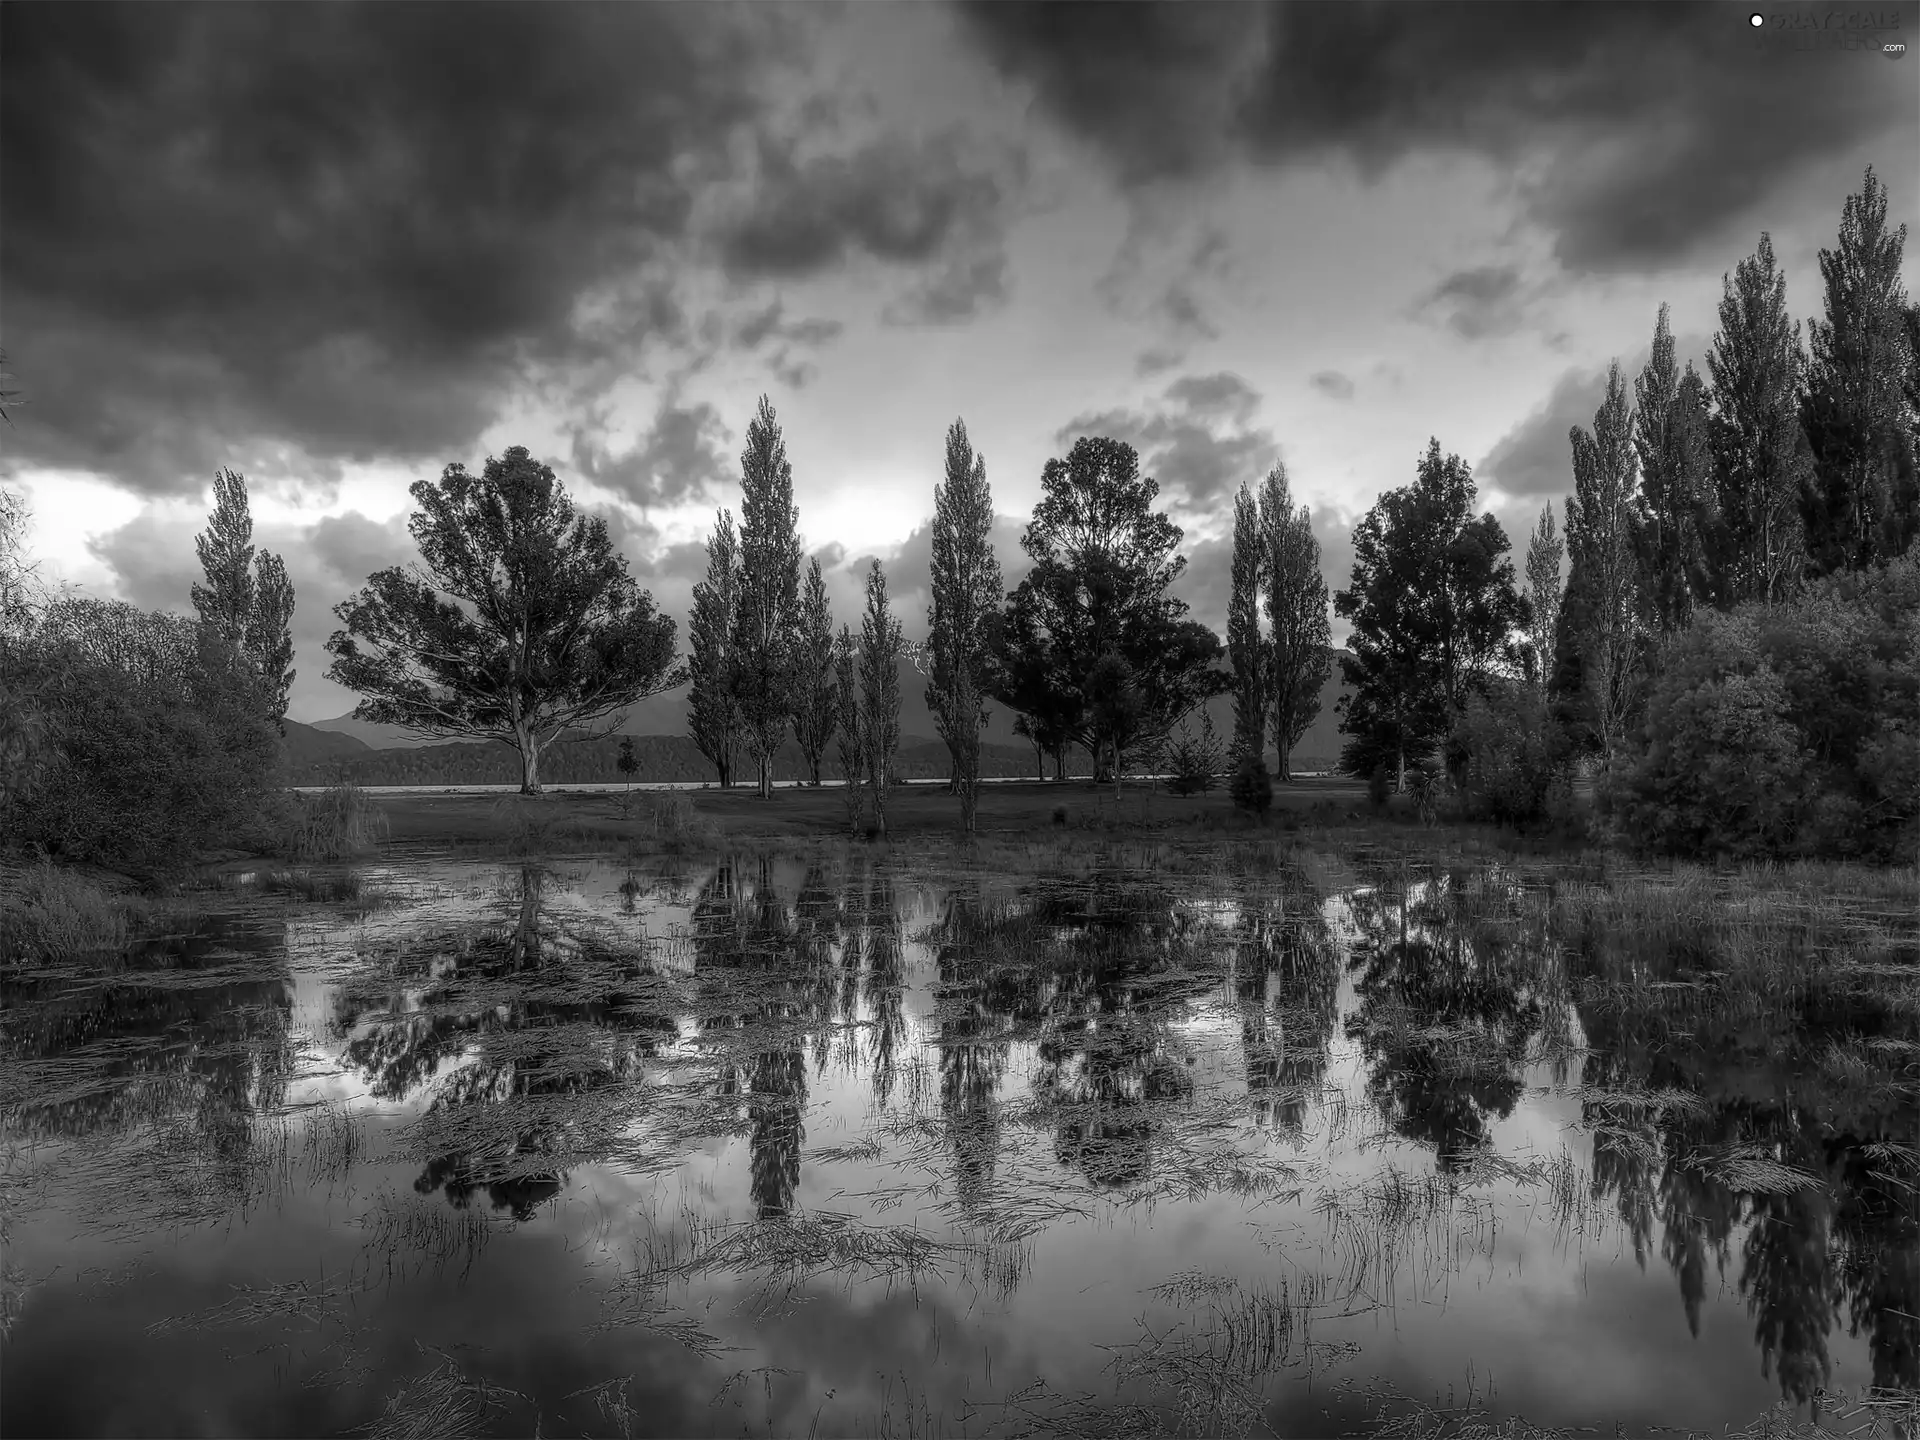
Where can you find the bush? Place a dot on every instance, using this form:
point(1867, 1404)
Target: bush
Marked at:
point(51, 914)
point(1790, 732)
point(1251, 786)
point(336, 823)
point(1191, 761)
point(1379, 785)
point(155, 743)
point(1509, 756)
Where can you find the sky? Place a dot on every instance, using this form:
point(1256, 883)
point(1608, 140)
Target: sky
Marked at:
point(339, 248)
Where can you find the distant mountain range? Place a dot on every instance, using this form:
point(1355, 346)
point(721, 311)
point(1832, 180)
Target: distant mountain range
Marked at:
point(372, 754)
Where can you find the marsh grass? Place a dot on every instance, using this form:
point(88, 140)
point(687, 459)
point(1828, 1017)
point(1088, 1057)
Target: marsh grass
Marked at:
point(321, 887)
point(50, 915)
point(334, 825)
point(442, 1404)
point(406, 1231)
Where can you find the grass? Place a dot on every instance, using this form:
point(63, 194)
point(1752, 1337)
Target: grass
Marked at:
point(49, 915)
point(335, 824)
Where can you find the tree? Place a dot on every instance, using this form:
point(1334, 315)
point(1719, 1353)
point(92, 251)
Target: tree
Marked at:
point(1862, 503)
point(880, 649)
point(1600, 534)
point(1670, 438)
point(9, 397)
point(852, 722)
point(1544, 554)
point(1755, 544)
point(1030, 679)
point(1246, 647)
point(713, 713)
point(1103, 558)
point(1433, 607)
point(248, 603)
point(813, 698)
point(764, 624)
point(541, 629)
point(1300, 650)
point(966, 601)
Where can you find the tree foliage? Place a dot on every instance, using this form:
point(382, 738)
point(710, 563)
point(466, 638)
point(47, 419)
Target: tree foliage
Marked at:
point(1545, 552)
point(1514, 755)
point(247, 601)
point(1862, 503)
point(813, 698)
point(880, 650)
point(1434, 609)
point(1789, 730)
point(1103, 558)
point(1299, 646)
point(1247, 649)
point(1755, 543)
point(850, 714)
point(1671, 442)
point(962, 619)
point(713, 712)
point(768, 612)
point(540, 628)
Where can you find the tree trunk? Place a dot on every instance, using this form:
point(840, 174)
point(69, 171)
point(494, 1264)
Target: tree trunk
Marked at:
point(529, 748)
point(766, 777)
point(1284, 770)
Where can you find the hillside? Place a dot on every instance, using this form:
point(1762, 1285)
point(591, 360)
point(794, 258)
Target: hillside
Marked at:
point(384, 755)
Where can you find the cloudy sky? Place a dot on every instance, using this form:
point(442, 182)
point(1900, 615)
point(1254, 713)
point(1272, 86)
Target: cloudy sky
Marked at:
point(339, 248)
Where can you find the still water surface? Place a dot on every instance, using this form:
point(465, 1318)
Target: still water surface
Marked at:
point(849, 1146)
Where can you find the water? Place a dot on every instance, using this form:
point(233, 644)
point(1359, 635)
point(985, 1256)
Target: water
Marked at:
point(838, 1147)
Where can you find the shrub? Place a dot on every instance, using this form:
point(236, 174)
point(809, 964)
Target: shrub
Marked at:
point(50, 914)
point(1509, 755)
point(1251, 786)
point(1191, 760)
point(336, 823)
point(1379, 785)
point(1790, 732)
point(156, 744)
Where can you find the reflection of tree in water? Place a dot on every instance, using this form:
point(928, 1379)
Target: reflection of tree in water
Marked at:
point(1847, 1245)
point(1445, 1020)
point(1110, 976)
point(976, 1004)
point(157, 1041)
point(1287, 982)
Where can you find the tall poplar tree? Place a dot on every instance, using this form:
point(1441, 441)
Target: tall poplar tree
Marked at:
point(1600, 533)
point(1670, 440)
point(966, 601)
point(849, 712)
point(247, 602)
point(1861, 504)
point(1755, 545)
point(765, 624)
point(1299, 649)
point(713, 714)
point(813, 699)
point(1246, 647)
point(880, 649)
point(1544, 554)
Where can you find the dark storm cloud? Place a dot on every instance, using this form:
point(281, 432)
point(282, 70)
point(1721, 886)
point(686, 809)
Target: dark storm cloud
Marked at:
point(682, 456)
point(1476, 303)
point(1333, 383)
point(343, 227)
point(1200, 450)
point(1535, 457)
point(1664, 123)
point(897, 199)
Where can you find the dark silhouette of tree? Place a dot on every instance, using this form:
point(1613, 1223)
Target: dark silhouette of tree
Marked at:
point(247, 602)
point(540, 630)
point(1671, 440)
point(713, 711)
point(813, 698)
point(961, 620)
point(765, 624)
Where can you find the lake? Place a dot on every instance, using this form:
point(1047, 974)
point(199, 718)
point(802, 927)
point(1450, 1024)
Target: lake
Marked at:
point(850, 1142)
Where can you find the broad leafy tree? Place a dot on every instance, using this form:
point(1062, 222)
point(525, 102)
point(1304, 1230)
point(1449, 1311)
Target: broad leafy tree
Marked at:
point(961, 620)
point(1300, 646)
point(813, 698)
point(1862, 503)
point(247, 601)
point(1756, 544)
point(1670, 440)
point(880, 650)
point(520, 624)
point(766, 620)
point(1434, 609)
point(713, 713)
point(1031, 679)
point(1103, 559)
